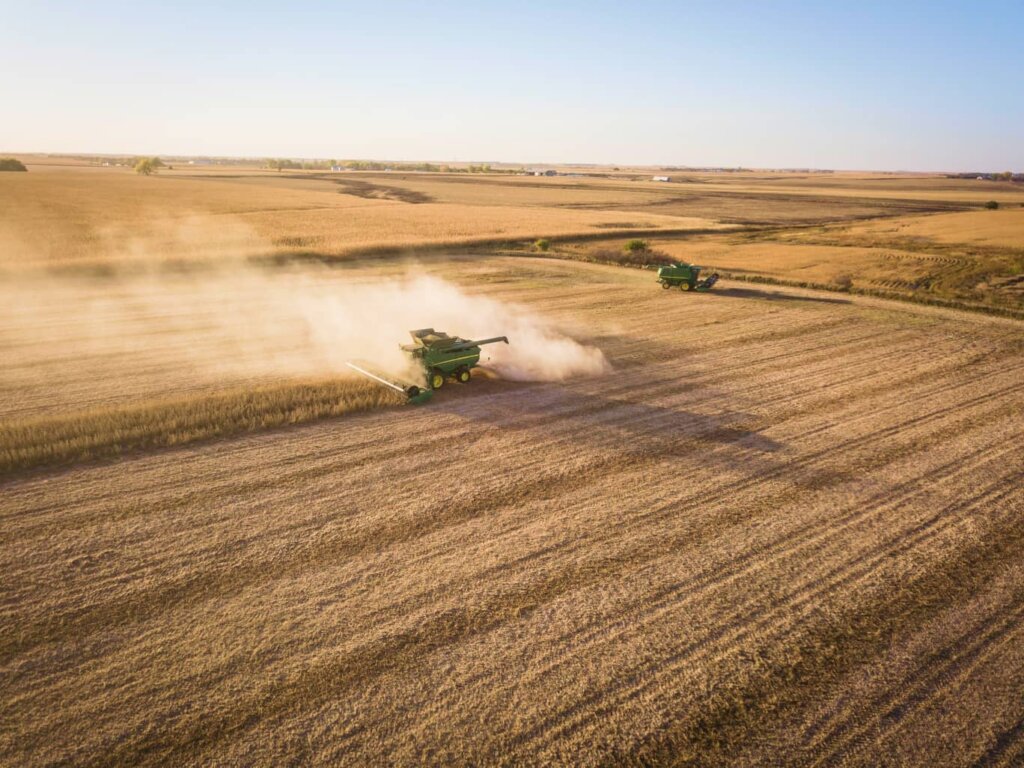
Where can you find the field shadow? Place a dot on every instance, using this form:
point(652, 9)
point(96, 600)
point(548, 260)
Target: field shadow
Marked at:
point(754, 293)
point(629, 428)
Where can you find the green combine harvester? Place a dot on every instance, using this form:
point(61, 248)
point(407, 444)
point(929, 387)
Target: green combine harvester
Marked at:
point(442, 357)
point(686, 277)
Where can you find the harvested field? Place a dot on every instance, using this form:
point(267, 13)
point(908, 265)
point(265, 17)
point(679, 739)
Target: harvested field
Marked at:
point(72, 218)
point(787, 528)
point(1000, 228)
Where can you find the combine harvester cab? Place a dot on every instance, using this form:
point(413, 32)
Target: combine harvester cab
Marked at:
point(443, 356)
point(686, 277)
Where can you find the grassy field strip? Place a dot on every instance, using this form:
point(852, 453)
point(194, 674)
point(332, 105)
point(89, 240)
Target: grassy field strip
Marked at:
point(104, 433)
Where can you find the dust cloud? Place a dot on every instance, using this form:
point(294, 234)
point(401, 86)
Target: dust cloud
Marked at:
point(240, 321)
point(367, 319)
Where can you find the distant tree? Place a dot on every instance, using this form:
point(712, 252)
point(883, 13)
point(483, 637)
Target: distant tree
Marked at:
point(992, 205)
point(145, 166)
point(277, 165)
point(637, 246)
point(11, 164)
point(542, 244)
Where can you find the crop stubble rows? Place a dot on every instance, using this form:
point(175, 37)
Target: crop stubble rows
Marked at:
point(610, 568)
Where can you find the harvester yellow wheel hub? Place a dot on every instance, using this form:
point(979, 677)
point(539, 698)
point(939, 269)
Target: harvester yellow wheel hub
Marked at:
point(436, 381)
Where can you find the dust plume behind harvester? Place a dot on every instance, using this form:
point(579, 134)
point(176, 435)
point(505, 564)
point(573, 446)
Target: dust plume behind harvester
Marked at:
point(441, 358)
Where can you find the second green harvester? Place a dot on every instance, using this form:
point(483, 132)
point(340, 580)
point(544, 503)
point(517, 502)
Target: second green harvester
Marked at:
point(685, 277)
point(443, 356)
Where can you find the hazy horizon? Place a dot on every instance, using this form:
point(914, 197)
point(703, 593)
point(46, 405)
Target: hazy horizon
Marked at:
point(530, 165)
point(926, 87)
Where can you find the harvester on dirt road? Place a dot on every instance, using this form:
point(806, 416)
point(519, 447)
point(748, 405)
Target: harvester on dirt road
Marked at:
point(440, 356)
point(686, 277)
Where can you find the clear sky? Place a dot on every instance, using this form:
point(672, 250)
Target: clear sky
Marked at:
point(864, 85)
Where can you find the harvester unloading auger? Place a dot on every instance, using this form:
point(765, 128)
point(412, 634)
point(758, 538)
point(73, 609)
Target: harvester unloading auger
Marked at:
point(441, 357)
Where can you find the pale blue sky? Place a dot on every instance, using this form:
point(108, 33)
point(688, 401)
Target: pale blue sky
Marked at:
point(866, 85)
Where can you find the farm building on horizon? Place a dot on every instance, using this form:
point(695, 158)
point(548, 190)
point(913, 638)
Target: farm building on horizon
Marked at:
point(661, 178)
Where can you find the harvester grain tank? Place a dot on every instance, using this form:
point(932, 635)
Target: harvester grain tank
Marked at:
point(686, 277)
point(442, 356)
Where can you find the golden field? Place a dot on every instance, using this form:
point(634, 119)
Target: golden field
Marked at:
point(111, 216)
point(776, 526)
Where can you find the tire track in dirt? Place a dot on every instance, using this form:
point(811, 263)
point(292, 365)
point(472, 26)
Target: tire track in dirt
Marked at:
point(695, 588)
point(788, 543)
point(720, 733)
point(746, 622)
point(1008, 748)
point(941, 669)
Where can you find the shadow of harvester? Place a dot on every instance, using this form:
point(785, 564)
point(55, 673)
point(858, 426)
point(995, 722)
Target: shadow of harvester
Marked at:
point(631, 429)
point(775, 295)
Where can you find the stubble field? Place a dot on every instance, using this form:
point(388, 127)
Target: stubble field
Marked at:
point(783, 527)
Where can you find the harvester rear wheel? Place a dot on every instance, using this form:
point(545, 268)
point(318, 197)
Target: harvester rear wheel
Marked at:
point(666, 284)
point(436, 380)
point(463, 376)
point(684, 286)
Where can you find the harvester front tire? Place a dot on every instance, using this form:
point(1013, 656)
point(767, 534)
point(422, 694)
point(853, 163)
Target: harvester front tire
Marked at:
point(463, 376)
point(684, 286)
point(666, 284)
point(436, 380)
